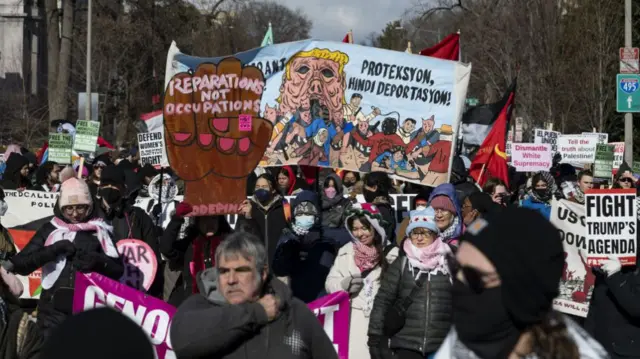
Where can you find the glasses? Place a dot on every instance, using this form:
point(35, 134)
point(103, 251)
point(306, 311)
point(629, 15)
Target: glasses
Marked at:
point(421, 233)
point(80, 209)
point(472, 277)
point(626, 179)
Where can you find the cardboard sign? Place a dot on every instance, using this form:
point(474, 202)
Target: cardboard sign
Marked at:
point(140, 263)
point(618, 154)
point(86, 138)
point(577, 148)
point(546, 136)
point(151, 145)
point(603, 138)
point(206, 145)
point(604, 161)
point(60, 146)
point(611, 218)
point(577, 282)
point(527, 157)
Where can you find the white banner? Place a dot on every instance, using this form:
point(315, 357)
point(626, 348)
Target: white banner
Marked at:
point(577, 148)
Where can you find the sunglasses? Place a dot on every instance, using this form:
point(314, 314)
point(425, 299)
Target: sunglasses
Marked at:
point(472, 277)
point(626, 179)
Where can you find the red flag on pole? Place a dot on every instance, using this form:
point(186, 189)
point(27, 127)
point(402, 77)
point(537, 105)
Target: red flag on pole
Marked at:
point(491, 159)
point(348, 38)
point(447, 49)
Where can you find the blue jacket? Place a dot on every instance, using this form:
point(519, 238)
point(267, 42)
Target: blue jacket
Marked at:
point(543, 208)
point(447, 189)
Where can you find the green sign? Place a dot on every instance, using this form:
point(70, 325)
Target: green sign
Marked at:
point(628, 93)
point(604, 161)
point(636, 166)
point(60, 145)
point(471, 101)
point(86, 136)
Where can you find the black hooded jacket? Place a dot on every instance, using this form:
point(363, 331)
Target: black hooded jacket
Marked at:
point(55, 303)
point(333, 209)
point(12, 179)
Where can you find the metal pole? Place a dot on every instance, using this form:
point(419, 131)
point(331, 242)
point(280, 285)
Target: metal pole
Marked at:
point(628, 117)
point(88, 90)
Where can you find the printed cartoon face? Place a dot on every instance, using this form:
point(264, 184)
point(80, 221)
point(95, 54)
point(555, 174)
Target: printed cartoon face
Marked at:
point(355, 102)
point(408, 126)
point(312, 77)
point(363, 127)
point(397, 156)
point(323, 136)
point(305, 115)
point(428, 124)
point(270, 114)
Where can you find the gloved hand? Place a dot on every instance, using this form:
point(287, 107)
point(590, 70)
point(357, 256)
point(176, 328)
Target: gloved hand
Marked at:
point(64, 248)
point(182, 209)
point(379, 347)
point(352, 284)
point(88, 262)
point(611, 266)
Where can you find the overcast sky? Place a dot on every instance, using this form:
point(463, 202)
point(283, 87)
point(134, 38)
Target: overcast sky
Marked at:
point(332, 19)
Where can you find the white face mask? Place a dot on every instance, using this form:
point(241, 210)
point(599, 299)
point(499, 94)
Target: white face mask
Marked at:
point(3, 208)
point(421, 208)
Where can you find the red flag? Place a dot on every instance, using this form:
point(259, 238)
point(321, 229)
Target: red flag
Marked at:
point(491, 159)
point(348, 38)
point(447, 49)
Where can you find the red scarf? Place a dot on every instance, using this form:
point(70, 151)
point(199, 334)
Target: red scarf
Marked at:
point(197, 262)
point(366, 257)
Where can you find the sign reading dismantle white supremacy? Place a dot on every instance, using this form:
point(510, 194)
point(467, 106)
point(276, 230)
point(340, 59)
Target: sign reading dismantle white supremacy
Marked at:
point(611, 216)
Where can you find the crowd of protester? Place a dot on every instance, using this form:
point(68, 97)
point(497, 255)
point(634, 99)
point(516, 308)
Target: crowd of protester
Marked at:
point(469, 273)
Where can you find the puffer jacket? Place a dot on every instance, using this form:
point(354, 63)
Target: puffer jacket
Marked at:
point(333, 209)
point(51, 312)
point(429, 317)
point(12, 179)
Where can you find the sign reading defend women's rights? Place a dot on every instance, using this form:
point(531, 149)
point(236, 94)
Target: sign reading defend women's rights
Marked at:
point(611, 217)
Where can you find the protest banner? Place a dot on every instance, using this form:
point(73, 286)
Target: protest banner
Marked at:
point(576, 284)
point(215, 134)
point(618, 154)
point(140, 263)
point(611, 225)
point(60, 146)
point(546, 136)
point(375, 109)
point(151, 146)
point(154, 316)
point(603, 138)
point(334, 311)
point(528, 157)
point(153, 122)
point(603, 164)
point(86, 138)
point(577, 148)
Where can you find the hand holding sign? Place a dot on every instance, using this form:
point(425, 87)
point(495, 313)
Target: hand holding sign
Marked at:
point(215, 134)
point(611, 266)
point(140, 263)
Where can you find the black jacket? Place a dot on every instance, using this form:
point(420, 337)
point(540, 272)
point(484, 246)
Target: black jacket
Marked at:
point(333, 209)
point(135, 223)
point(429, 317)
point(614, 313)
point(11, 178)
point(268, 224)
point(179, 255)
point(52, 311)
point(205, 326)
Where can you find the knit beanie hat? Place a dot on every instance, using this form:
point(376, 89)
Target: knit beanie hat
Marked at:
point(113, 175)
point(444, 203)
point(422, 219)
point(74, 192)
point(373, 215)
point(526, 250)
point(305, 208)
point(78, 337)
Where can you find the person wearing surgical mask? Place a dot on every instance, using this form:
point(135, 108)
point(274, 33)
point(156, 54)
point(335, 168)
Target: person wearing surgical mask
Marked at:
point(7, 245)
point(304, 254)
point(266, 212)
point(334, 203)
point(540, 193)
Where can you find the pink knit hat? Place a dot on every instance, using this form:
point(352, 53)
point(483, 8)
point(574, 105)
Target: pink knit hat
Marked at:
point(74, 192)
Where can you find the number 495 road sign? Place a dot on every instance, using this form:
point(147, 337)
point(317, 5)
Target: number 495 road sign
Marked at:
point(628, 93)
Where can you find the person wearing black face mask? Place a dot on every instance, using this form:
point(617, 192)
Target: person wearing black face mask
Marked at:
point(266, 212)
point(376, 190)
point(540, 193)
point(128, 221)
point(507, 274)
point(349, 180)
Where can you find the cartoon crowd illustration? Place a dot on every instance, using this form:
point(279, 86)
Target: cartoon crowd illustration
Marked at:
point(315, 125)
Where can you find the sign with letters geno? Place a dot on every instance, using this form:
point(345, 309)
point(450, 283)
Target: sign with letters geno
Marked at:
point(611, 218)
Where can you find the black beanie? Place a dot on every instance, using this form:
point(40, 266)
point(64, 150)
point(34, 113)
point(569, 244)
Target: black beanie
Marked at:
point(483, 203)
point(98, 334)
point(527, 251)
point(113, 175)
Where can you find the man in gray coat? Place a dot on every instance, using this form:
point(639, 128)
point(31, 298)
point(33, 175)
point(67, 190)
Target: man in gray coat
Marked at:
point(243, 313)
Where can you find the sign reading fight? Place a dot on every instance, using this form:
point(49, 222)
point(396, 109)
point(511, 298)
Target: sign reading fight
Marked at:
point(527, 157)
point(611, 225)
point(330, 104)
point(210, 145)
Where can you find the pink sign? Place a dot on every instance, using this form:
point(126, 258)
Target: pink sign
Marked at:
point(333, 311)
point(153, 315)
point(140, 263)
point(244, 122)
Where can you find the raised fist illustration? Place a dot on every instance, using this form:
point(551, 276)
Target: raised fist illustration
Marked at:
point(215, 135)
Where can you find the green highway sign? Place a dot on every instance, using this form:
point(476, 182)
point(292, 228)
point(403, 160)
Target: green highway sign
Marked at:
point(628, 93)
